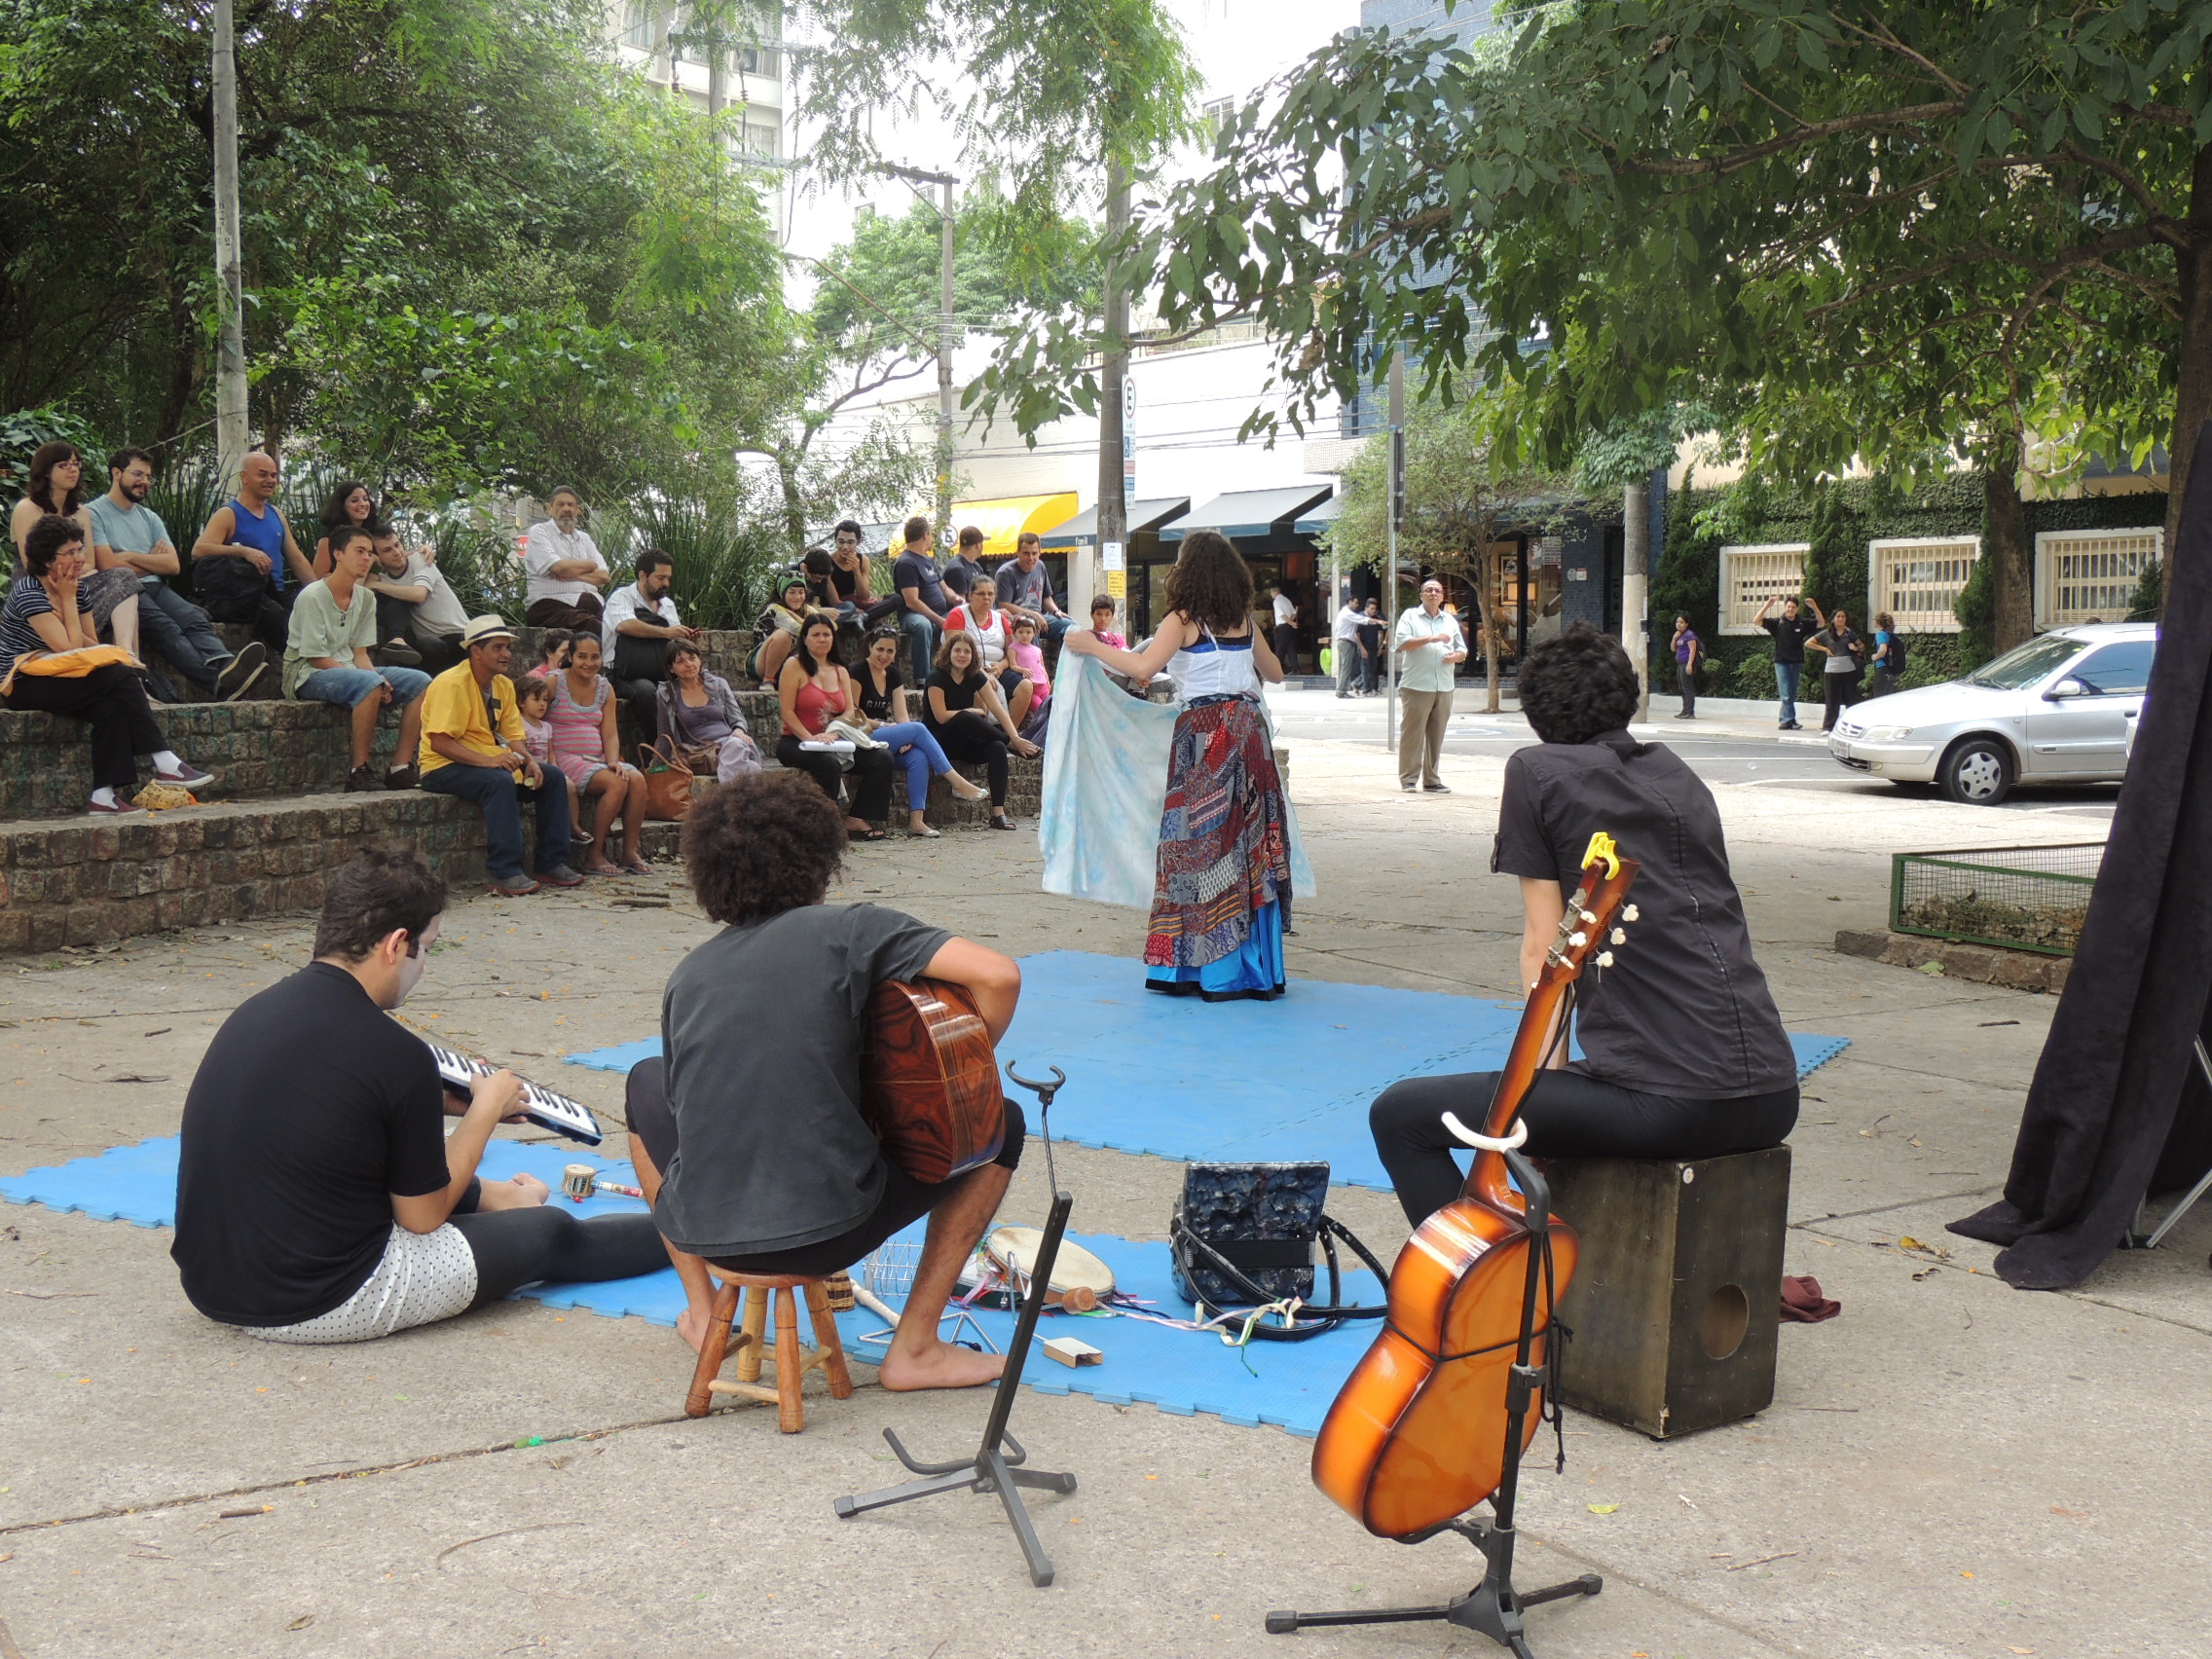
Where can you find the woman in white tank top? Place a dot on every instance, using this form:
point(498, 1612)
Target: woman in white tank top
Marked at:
point(1221, 896)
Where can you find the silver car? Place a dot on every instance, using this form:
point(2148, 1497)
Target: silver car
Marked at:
point(2059, 709)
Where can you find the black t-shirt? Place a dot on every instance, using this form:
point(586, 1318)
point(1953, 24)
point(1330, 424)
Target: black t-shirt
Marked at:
point(959, 694)
point(1683, 1011)
point(920, 571)
point(846, 582)
point(772, 1152)
point(874, 704)
point(960, 574)
point(311, 1108)
point(1790, 636)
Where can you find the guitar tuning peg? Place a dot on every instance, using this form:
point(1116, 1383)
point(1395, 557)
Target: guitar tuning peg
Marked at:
point(1620, 935)
point(1578, 939)
point(1605, 959)
point(1631, 914)
point(1589, 918)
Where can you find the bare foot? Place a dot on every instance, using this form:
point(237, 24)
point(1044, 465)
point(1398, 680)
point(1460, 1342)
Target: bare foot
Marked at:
point(691, 1326)
point(601, 866)
point(941, 1365)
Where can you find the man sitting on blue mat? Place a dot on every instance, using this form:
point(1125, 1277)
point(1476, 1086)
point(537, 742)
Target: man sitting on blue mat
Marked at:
point(749, 1139)
point(1684, 1054)
point(319, 1199)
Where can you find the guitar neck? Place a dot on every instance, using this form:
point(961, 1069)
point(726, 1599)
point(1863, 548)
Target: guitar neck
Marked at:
point(1532, 1044)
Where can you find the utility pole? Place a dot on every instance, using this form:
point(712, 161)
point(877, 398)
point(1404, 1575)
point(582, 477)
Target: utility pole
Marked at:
point(231, 431)
point(1113, 512)
point(1635, 587)
point(1397, 436)
point(946, 328)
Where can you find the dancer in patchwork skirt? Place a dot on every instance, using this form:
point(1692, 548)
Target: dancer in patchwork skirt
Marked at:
point(1221, 896)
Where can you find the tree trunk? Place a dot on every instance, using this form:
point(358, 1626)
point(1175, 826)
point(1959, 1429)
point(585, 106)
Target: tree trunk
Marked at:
point(2192, 392)
point(2005, 528)
point(1485, 606)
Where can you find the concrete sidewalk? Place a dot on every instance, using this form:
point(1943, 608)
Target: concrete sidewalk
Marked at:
point(1950, 1467)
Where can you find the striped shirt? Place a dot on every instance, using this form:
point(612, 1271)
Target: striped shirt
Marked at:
point(26, 600)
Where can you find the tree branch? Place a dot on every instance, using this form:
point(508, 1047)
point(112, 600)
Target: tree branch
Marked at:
point(1735, 160)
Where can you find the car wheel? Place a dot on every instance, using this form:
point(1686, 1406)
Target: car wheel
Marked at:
point(1978, 772)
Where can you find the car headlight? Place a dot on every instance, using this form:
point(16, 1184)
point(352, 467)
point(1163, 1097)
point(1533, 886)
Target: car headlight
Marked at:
point(1887, 734)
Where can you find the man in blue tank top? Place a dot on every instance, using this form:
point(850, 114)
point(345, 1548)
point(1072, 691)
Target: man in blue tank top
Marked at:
point(246, 566)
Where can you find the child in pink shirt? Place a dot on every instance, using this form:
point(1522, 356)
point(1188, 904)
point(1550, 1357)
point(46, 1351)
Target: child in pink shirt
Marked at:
point(1028, 658)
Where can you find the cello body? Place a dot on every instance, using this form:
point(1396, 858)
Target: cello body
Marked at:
point(1416, 1436)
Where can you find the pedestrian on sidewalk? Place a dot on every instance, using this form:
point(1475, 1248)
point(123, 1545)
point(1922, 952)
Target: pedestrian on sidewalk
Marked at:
point(1789, 632)
point(1371, 649)
point(1689, 657)
point(1286, 630)
point(1889, 656)
point(1845, 649)
point(1428, 641)
point(1344, 644)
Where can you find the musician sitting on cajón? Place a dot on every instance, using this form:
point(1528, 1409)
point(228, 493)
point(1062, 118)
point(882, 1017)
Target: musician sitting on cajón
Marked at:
point(319, 1198)
point(1684, 1054)
point(750, 1143)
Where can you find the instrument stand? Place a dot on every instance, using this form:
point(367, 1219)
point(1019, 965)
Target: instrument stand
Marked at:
point(998, 1463)
point(1494, 1606)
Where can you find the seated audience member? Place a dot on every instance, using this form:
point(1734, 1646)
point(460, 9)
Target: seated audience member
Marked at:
point(1102, 623)
point(552, 652)
point(1025, 588)
point(819, 569)
point(107, 594)
point(813, 690)
point(966, 715)
point(126, 534)
point(883, 709)
point(965, 565)
point(473, 748)
point(852, 577)
point(350, 505)
point(326, 660)
point(566, 569)
point(778, 626)
point(319, 1198)
point(534, 701)
point(416, 605)
point(698, 712)
point(39, 625)
point(588, 751)
point(978, 614)
point(755, 1155)
point(1028, 658)
point(1684, 1054)
point(921, 590)
point(641, 624)
point(246, 566)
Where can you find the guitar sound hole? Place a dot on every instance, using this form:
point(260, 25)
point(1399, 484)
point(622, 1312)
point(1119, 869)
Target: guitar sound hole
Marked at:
point(1727, 1316)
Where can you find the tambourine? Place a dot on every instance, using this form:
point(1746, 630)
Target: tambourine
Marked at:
point(1079, 1281)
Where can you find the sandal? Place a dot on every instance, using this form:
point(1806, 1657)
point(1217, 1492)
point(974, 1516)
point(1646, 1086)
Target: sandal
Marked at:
point(1000, 821)
point(864, 835)
point(637, 866)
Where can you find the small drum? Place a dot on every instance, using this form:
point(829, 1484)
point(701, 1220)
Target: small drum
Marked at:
point(1079, 1281)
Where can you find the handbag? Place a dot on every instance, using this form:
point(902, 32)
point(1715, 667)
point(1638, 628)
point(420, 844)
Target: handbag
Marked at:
point(1242, 1237)
point(668, 782)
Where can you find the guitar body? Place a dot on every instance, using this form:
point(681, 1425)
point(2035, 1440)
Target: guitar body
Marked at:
point(930, 1079)
point(1394, 1452)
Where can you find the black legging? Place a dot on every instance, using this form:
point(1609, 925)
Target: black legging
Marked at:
point(521, 1246)
point(870, 780)
point(112, 700)
point(1568, 1115)
point(971, 736)
point(1839, 691)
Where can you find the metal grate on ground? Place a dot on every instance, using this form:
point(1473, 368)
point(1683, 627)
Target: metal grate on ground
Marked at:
point(2012, 897)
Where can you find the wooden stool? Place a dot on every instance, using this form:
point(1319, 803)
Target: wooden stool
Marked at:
point(793, 1362)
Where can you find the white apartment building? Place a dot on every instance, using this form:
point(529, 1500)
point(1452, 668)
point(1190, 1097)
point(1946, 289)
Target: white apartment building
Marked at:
point(648, 35)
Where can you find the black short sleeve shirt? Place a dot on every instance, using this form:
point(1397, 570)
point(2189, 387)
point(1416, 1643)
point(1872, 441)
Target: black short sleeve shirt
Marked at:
point(1790, 636)
point(919, 572)
point(310, 1110)
point(1684, 1009)
point(763, 1030)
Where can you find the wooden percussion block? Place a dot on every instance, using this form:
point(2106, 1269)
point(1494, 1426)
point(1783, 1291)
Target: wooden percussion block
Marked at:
point(1676, 1304)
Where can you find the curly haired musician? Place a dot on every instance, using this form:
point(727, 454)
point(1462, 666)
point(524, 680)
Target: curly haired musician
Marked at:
point(749, 1139)
point(1684, 1054)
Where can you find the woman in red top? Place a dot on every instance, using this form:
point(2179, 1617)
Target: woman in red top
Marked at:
point(815, 689)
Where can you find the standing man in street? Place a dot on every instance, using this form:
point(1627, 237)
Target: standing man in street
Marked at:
point(1430, 648)
point(1286, 631)
point(1344, 643)
point(1689, 653)
point(920, 586)
point(472, 746)
point(133, 534)
point(246, 566)
point(1025, 588)
point(1371, 648)
point(565, 567)
point(1789, 632)
point(641, 621)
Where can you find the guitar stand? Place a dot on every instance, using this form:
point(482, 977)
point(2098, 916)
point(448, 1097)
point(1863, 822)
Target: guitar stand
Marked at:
point(1494, 1606)
point(998, 1463)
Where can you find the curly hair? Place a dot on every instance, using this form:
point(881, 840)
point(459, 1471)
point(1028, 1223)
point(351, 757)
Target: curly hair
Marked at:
point(762, 844)
point(1577, 684)
point(381, 890)
point(1212, 584)
point(48, 537)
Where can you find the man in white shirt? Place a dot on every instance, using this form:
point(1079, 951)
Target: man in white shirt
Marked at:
point(1430, 647)
point(565, 571)
point(125, 527)
point(1286, 631)
point(640, 619)
point(1343, 643)
point(415, 603)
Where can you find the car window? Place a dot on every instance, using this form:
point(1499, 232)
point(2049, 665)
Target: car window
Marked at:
point(2026, 664)
point(2117, 670)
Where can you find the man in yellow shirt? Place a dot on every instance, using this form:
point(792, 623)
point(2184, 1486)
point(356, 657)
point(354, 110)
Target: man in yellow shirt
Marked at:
point(472, 746)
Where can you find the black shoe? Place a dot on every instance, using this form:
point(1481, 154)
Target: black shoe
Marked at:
point(1436, 789)
point(240, 671)
point(395, 653)
point(402, 778)
point(362, 779)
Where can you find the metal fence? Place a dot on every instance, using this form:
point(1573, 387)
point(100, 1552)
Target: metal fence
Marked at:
point(2013, 898)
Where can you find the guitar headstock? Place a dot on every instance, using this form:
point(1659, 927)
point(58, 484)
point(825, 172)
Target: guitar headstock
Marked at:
point(1595, 916)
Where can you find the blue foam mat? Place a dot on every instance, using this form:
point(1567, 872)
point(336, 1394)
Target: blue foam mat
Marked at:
point(1230, 1081)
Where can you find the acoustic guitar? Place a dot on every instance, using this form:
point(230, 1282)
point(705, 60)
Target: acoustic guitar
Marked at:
point(1416, 1437)
point(930, 1079)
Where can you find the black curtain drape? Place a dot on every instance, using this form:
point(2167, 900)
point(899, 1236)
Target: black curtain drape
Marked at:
point(2102, 1111)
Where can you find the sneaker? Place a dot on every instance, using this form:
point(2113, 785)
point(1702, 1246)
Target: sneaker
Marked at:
point(509, 885)
point(396, 654)
point(116, 808)
point(240, 671)
point(1436, 789)
point(1408, 788)
point(362, 779)
point(560, 875)
point(402, 778)
point(187, 776)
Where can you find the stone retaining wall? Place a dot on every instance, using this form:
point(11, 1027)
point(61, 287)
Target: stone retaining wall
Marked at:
point(2018, 969)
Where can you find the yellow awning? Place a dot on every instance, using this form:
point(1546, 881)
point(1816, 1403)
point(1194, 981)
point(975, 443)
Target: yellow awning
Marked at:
point(1002, 520)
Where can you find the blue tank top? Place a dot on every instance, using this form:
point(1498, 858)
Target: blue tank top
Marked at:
point(264, 532)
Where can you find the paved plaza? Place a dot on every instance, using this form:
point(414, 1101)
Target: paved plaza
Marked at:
point(1951, 1467)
